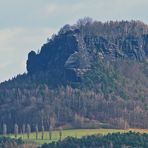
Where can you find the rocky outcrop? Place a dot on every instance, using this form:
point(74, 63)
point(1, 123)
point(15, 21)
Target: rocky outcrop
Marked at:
point(74, 49)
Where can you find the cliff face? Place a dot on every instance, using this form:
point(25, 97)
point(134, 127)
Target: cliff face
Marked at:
point(53, 54)
point(72, 52)
point(125, 47)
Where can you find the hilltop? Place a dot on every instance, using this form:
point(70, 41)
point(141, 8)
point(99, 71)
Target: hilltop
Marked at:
point(90, 74)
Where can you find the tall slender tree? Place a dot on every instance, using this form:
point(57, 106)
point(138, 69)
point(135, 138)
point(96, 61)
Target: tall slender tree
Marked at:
point(28, 130)
point(36, 130)
point(23, 129)
point(60, 133)
point(42, 132)
point(4, 129)
point(50, 132)
point(16, 129)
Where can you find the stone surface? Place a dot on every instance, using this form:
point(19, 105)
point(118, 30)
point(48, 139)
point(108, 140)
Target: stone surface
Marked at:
point(74, 50)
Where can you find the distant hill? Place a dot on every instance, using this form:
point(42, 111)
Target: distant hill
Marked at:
point(90, 72)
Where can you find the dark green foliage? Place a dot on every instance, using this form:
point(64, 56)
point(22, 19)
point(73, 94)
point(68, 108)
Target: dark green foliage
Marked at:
point(132, 140)
point(6, 142)
point(101, 77)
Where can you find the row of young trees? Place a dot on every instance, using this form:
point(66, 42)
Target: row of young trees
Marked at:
point(26, 130)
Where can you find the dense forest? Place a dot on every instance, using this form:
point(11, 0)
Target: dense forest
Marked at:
point(90, 74)
point(127, 140)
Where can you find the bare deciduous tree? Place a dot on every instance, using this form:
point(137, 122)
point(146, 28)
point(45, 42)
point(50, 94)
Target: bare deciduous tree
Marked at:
point(28, 130)
point(23, 129)
point(42, 132)
point(4, 129)
point(36, 130)
point(16, 129)
point(60, 133)
point(50, 132)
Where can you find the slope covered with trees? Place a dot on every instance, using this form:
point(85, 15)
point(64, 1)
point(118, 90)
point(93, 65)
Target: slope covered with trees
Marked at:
point(88, 72)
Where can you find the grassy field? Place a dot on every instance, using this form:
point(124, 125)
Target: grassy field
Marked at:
point(72, 133)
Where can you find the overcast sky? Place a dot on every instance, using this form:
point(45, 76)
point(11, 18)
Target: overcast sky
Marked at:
point(26, 24)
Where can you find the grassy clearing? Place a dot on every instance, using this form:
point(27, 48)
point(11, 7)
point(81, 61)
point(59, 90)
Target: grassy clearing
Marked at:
point(139, 130)
point(78, 133)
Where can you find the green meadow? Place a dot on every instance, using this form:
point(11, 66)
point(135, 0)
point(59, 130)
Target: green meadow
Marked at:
point(78, 133)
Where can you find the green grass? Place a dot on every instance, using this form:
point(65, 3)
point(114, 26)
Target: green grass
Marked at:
point(78, 133)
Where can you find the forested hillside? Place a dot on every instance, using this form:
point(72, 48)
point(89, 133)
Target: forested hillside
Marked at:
point(88, 73)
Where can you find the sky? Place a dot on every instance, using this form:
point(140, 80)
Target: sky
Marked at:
point(25, 25)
